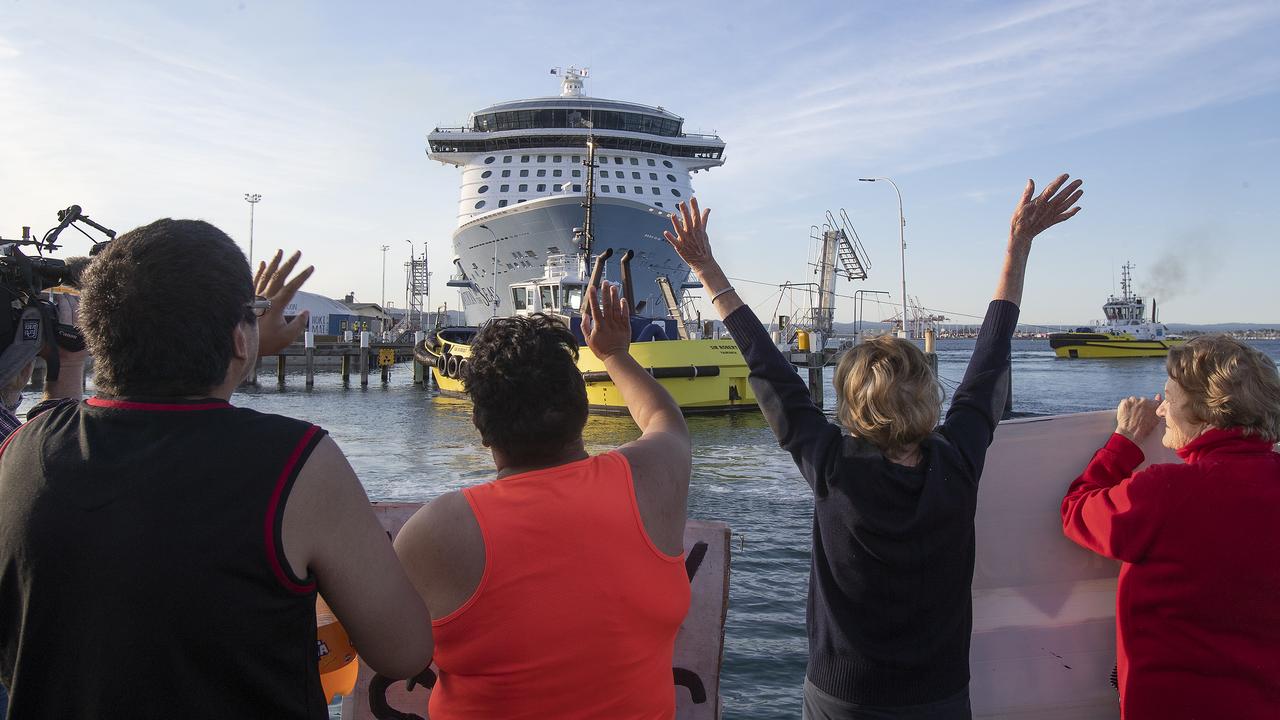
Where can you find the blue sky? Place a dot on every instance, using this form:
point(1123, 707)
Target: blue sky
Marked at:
point(1170, 111)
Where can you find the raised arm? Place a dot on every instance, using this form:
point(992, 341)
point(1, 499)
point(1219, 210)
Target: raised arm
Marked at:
point(660, 460)
point(979, 401)
point(801, 428)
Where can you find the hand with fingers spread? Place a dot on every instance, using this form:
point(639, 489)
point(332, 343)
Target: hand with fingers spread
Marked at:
point(607, 323)
point(273, 283)
point(1035, 215)
point(690, 238)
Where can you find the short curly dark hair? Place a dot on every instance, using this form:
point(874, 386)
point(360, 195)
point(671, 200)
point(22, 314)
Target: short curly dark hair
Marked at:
point(159, 307)
point(527, 394)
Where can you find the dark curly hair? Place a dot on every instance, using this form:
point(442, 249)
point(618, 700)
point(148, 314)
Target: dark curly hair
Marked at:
point(528, 398)
point(159, 306)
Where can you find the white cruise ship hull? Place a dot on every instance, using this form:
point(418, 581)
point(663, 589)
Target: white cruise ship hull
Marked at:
point(521, 237)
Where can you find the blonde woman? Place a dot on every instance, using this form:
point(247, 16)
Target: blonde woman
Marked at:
point(889, 611)
point(1198, 603)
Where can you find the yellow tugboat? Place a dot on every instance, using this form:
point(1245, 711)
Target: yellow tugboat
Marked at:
point(1124, 333)
point(702, 375)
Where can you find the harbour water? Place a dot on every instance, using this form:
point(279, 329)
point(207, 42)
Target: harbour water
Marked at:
point(411, 445)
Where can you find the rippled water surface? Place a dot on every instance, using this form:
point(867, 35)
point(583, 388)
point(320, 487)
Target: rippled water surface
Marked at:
point(411, 445)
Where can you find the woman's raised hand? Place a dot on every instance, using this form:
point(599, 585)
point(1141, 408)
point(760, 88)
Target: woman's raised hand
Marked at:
point(606, 324)
point(690, 238)
point(1035, 215)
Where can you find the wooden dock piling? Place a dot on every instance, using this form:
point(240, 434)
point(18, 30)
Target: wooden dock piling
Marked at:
point(280, 367)
point(364, 359)
point(309, 341)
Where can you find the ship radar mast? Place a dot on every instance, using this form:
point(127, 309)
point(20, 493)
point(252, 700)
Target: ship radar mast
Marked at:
point(571, 80)
point(1125, 281)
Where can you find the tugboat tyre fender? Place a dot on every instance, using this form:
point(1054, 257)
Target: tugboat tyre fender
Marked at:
point(462, 369)
point(451, 366)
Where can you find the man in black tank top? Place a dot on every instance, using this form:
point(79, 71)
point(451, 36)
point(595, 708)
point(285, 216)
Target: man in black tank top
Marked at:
point(161, 549)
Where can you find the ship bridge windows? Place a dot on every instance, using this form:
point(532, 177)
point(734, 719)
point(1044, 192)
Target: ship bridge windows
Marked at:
point(506, 158)
point(656, 191)
point(573, 118)
point(542, 187)
point(639, 190)
point(650, 162)
point(504, 188)
point(557, 172)
point(547, 295)
point(653, 176)
point(506, 173)
point(617, 161)
point(604, 173)
point(635, 176)
point(519, 298)
point(556, 187)
point(604, 188)
point(542, 172)
point(557, 158)
point(524, 173)
point(635, 161)
point(622, 189)
point(523, 188)
point(573, 296)
point(524, 158)
point(542, 158)
point(502, 203)
point(577, 173)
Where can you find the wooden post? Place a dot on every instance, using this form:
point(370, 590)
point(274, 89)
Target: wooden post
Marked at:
point(309, 340)
point(421, 373)
point(280, 361)
point(815, 378)
point(364, 359)
point(386, 374)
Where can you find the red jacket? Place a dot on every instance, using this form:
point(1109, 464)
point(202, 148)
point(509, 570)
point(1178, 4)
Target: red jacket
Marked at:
point(1198, 602)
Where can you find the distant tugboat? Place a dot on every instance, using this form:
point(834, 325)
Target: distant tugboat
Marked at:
point(1125, 332)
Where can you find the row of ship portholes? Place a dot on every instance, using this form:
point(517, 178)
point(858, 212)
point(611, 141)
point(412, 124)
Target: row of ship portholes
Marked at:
point(621, 189)
point(576, 158)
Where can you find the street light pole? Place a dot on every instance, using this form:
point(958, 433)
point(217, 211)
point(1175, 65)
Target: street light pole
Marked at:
point(384, 249)
point(495, 269)
point(902, 248)
point(253, 199)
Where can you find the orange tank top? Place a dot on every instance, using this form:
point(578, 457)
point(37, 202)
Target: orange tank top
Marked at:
point(577, 610)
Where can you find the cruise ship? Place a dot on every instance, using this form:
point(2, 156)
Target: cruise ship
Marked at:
point(523, 191)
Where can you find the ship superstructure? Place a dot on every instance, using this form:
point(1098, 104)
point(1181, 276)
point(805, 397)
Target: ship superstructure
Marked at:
point(524, 185)
point(1124, 333)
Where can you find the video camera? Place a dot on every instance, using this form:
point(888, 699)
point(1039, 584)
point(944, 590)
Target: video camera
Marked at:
point(29, 324)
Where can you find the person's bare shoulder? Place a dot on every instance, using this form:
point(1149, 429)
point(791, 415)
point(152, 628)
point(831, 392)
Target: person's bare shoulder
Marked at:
point(442, 549)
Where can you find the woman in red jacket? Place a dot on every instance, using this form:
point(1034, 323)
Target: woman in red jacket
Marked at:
point(1198, 602)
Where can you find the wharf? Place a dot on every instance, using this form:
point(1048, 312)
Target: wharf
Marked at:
point(363, 352)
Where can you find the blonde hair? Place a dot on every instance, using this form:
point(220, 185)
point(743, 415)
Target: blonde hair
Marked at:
point(1228, 384)
point(887, 393)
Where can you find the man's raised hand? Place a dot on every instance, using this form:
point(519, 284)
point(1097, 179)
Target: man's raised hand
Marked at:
point(690, 238)
point(272, 282)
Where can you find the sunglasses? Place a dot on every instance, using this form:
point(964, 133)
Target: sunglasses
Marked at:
point(258, 306)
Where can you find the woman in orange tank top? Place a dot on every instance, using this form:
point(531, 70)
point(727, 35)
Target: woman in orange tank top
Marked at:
point(558, 588)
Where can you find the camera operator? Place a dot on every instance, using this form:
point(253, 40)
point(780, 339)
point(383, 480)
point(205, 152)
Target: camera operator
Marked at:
point(68, 385)
point(161, 548)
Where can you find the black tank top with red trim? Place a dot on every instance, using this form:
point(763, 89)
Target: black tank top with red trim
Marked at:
point(141, 567)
